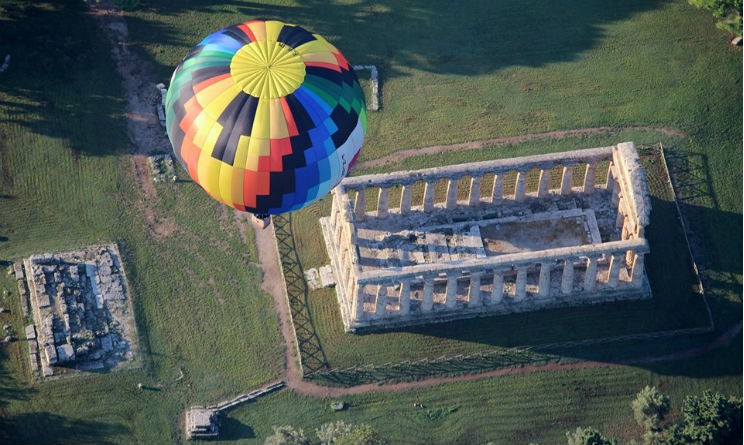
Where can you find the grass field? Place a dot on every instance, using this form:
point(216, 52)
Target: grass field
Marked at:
point(450, 72)
point(67, 182)
point(535, 408)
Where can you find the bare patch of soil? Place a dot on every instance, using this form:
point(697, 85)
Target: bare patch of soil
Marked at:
point(142, 124)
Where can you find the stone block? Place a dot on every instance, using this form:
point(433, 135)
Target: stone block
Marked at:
point(34, 361)
point(107, 343)
point(65, 353)
point(312, 277)
point(50, 354)
point(30, 332)
point(326, 276)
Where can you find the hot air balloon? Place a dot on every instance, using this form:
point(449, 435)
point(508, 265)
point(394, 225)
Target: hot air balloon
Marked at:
point(265, 116)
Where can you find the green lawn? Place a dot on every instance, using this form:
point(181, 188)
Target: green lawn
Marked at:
point(535, 408)
point(450, 72)
point(67, 181)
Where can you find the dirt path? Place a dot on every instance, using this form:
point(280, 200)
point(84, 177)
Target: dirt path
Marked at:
point(435, 149)
point(143, 127)
point(273, 284)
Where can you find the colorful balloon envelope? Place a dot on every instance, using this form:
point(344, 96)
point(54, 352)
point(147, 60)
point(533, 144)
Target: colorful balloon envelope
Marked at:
point(267, 117)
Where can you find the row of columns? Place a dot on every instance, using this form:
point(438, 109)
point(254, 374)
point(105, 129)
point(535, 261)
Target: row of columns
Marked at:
point(474, 195)
point(496, 294)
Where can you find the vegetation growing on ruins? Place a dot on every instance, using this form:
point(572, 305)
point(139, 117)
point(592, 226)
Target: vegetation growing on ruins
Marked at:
point(66, 180)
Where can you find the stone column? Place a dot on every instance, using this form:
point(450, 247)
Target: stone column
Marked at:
point(521, 284)
point(451, 202)
point(382, 202)
point(360, 205)
point(614, 274)
point(589, 177)
point(350, 274)
point(616, 195)
point(568, 277)
point(428, 303)
point(630, 257)
point(474, 297)
point(610, 182)
point(544, 280)
point(334, 208)
point(475, 185)
point(590, 277)
point(497, 291)
point(451, 296)
point(404, 298)
point(405, 199)
point(519, 188)
point(358, 296)
point(636, 273)
point(497, 193)
point(429, 195)
point(352, 289)
point(543, 186)
point(566, 180)
point(619, 218)
point(381, 300)
point(338, 227)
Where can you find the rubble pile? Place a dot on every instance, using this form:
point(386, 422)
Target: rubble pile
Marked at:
point(81, 313)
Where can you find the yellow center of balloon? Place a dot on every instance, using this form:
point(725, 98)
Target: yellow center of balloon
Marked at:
point(267, 69)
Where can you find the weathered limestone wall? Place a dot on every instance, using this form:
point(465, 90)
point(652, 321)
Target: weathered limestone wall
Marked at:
point(516, 282)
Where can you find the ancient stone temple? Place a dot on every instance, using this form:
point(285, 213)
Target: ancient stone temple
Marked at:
point(493, 237)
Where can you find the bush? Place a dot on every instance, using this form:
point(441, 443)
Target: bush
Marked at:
point(649, 408)
point(588, 436)
point(287, 435)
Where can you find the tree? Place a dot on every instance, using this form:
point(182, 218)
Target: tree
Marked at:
point(287, 435)
point(329, 433)
point(649, 408)
point(728, 13)
point(588, 436)
point(712, 419)
point(361, 434)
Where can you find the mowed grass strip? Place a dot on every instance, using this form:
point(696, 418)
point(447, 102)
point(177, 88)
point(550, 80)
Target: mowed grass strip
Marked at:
point(537, 407)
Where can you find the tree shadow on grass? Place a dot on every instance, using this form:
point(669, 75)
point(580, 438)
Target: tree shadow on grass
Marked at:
point(445, 36)
point(43, 427)
point(232, 429)
point(61, 80)
point(10, 388)
point(48, 428)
